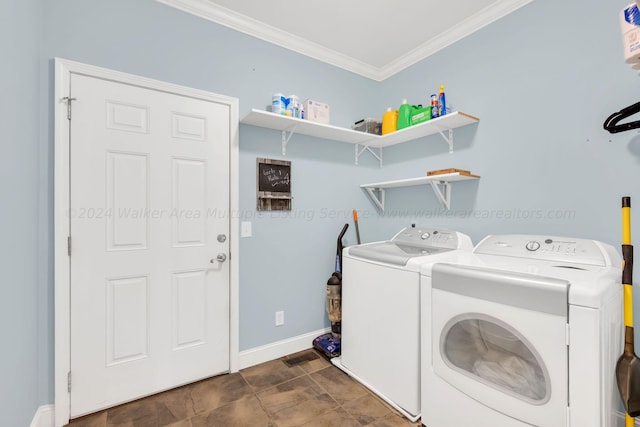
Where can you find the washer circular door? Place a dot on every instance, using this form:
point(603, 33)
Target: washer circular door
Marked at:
point(500, 338)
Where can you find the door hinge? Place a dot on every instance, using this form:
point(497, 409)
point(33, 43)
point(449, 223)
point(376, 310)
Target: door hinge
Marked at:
point(69, 381)
point(567, 334)
point(69, 245)
point(68, 101)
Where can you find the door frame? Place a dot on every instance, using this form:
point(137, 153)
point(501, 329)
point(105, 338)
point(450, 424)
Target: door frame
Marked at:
point(63, 70)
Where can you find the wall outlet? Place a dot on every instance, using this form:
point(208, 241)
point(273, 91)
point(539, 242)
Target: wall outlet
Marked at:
point(279, 318)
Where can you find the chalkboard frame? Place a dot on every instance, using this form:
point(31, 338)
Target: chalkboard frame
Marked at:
point(273, 194)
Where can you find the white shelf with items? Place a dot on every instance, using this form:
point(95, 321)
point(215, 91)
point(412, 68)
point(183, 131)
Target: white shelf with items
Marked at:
point(363, 141)
point(443, 195)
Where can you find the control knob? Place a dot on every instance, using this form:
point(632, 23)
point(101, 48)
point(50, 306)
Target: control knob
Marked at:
point(532, 245)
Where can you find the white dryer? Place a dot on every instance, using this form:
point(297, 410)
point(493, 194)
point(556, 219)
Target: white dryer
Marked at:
point(381, 311)
point(525, 332)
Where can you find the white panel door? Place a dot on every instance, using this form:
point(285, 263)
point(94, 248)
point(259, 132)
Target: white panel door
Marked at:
point(149, 196)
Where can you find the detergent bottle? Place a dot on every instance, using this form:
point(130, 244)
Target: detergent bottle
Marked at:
point(389, 121)
point(442, 104)
point(404, 115)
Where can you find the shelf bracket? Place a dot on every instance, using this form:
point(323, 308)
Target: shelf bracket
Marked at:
point(286, 138)
point(377, 199)
point(448, 139)
point(445, 199)
point(369, 149)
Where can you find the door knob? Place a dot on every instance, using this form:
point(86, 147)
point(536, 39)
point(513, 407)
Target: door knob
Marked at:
point(222, 257)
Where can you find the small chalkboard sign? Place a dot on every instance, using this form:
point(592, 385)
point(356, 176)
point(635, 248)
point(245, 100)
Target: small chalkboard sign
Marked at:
point(273, 185)
point(274, 177)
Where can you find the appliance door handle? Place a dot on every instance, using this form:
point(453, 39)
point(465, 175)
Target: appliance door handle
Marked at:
point(542, 294)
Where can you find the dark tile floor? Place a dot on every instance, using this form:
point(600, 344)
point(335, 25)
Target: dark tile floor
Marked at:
point(302, 389)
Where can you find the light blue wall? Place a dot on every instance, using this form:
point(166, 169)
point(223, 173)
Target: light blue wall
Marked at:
point(153, 40)
point(542, 81)
point(20, 36)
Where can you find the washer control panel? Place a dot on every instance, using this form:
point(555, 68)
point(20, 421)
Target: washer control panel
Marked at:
point(561, 249)
point(427, 237)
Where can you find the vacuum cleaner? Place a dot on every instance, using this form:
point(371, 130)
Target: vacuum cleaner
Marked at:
point(329, 343)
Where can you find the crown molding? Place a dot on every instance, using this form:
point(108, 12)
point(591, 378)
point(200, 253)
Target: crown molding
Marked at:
point(260, 30)
point(236, 21)
point(466, 27)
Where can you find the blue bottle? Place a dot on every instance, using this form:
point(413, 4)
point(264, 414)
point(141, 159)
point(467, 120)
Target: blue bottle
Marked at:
point(442, 104)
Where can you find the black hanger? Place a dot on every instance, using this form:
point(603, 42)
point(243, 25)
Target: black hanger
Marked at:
point(611, 124)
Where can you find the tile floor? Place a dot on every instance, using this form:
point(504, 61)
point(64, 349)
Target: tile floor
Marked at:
point(302, 389)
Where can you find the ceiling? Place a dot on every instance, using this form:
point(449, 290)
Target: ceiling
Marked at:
point(373, 38)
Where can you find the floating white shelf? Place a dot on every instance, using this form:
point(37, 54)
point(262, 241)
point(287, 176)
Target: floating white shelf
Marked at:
point(443, 179)
point(363, 141)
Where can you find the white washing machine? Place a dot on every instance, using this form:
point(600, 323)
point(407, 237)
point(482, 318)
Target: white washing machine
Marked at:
point(525, 332)
point(381, 311)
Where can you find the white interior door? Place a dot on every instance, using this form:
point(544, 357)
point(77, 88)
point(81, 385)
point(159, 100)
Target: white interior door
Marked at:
point(149, 203)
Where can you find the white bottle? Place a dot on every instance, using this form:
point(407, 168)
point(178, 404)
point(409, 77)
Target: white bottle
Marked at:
point(293, 107)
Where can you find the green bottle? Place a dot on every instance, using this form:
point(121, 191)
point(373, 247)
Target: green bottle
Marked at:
point(404, 115)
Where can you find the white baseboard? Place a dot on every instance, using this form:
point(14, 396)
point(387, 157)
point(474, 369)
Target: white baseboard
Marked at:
point(43, 417)
point(265, 353)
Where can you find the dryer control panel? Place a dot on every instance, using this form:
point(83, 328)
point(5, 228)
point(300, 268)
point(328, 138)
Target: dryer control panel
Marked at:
point(561, 249)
